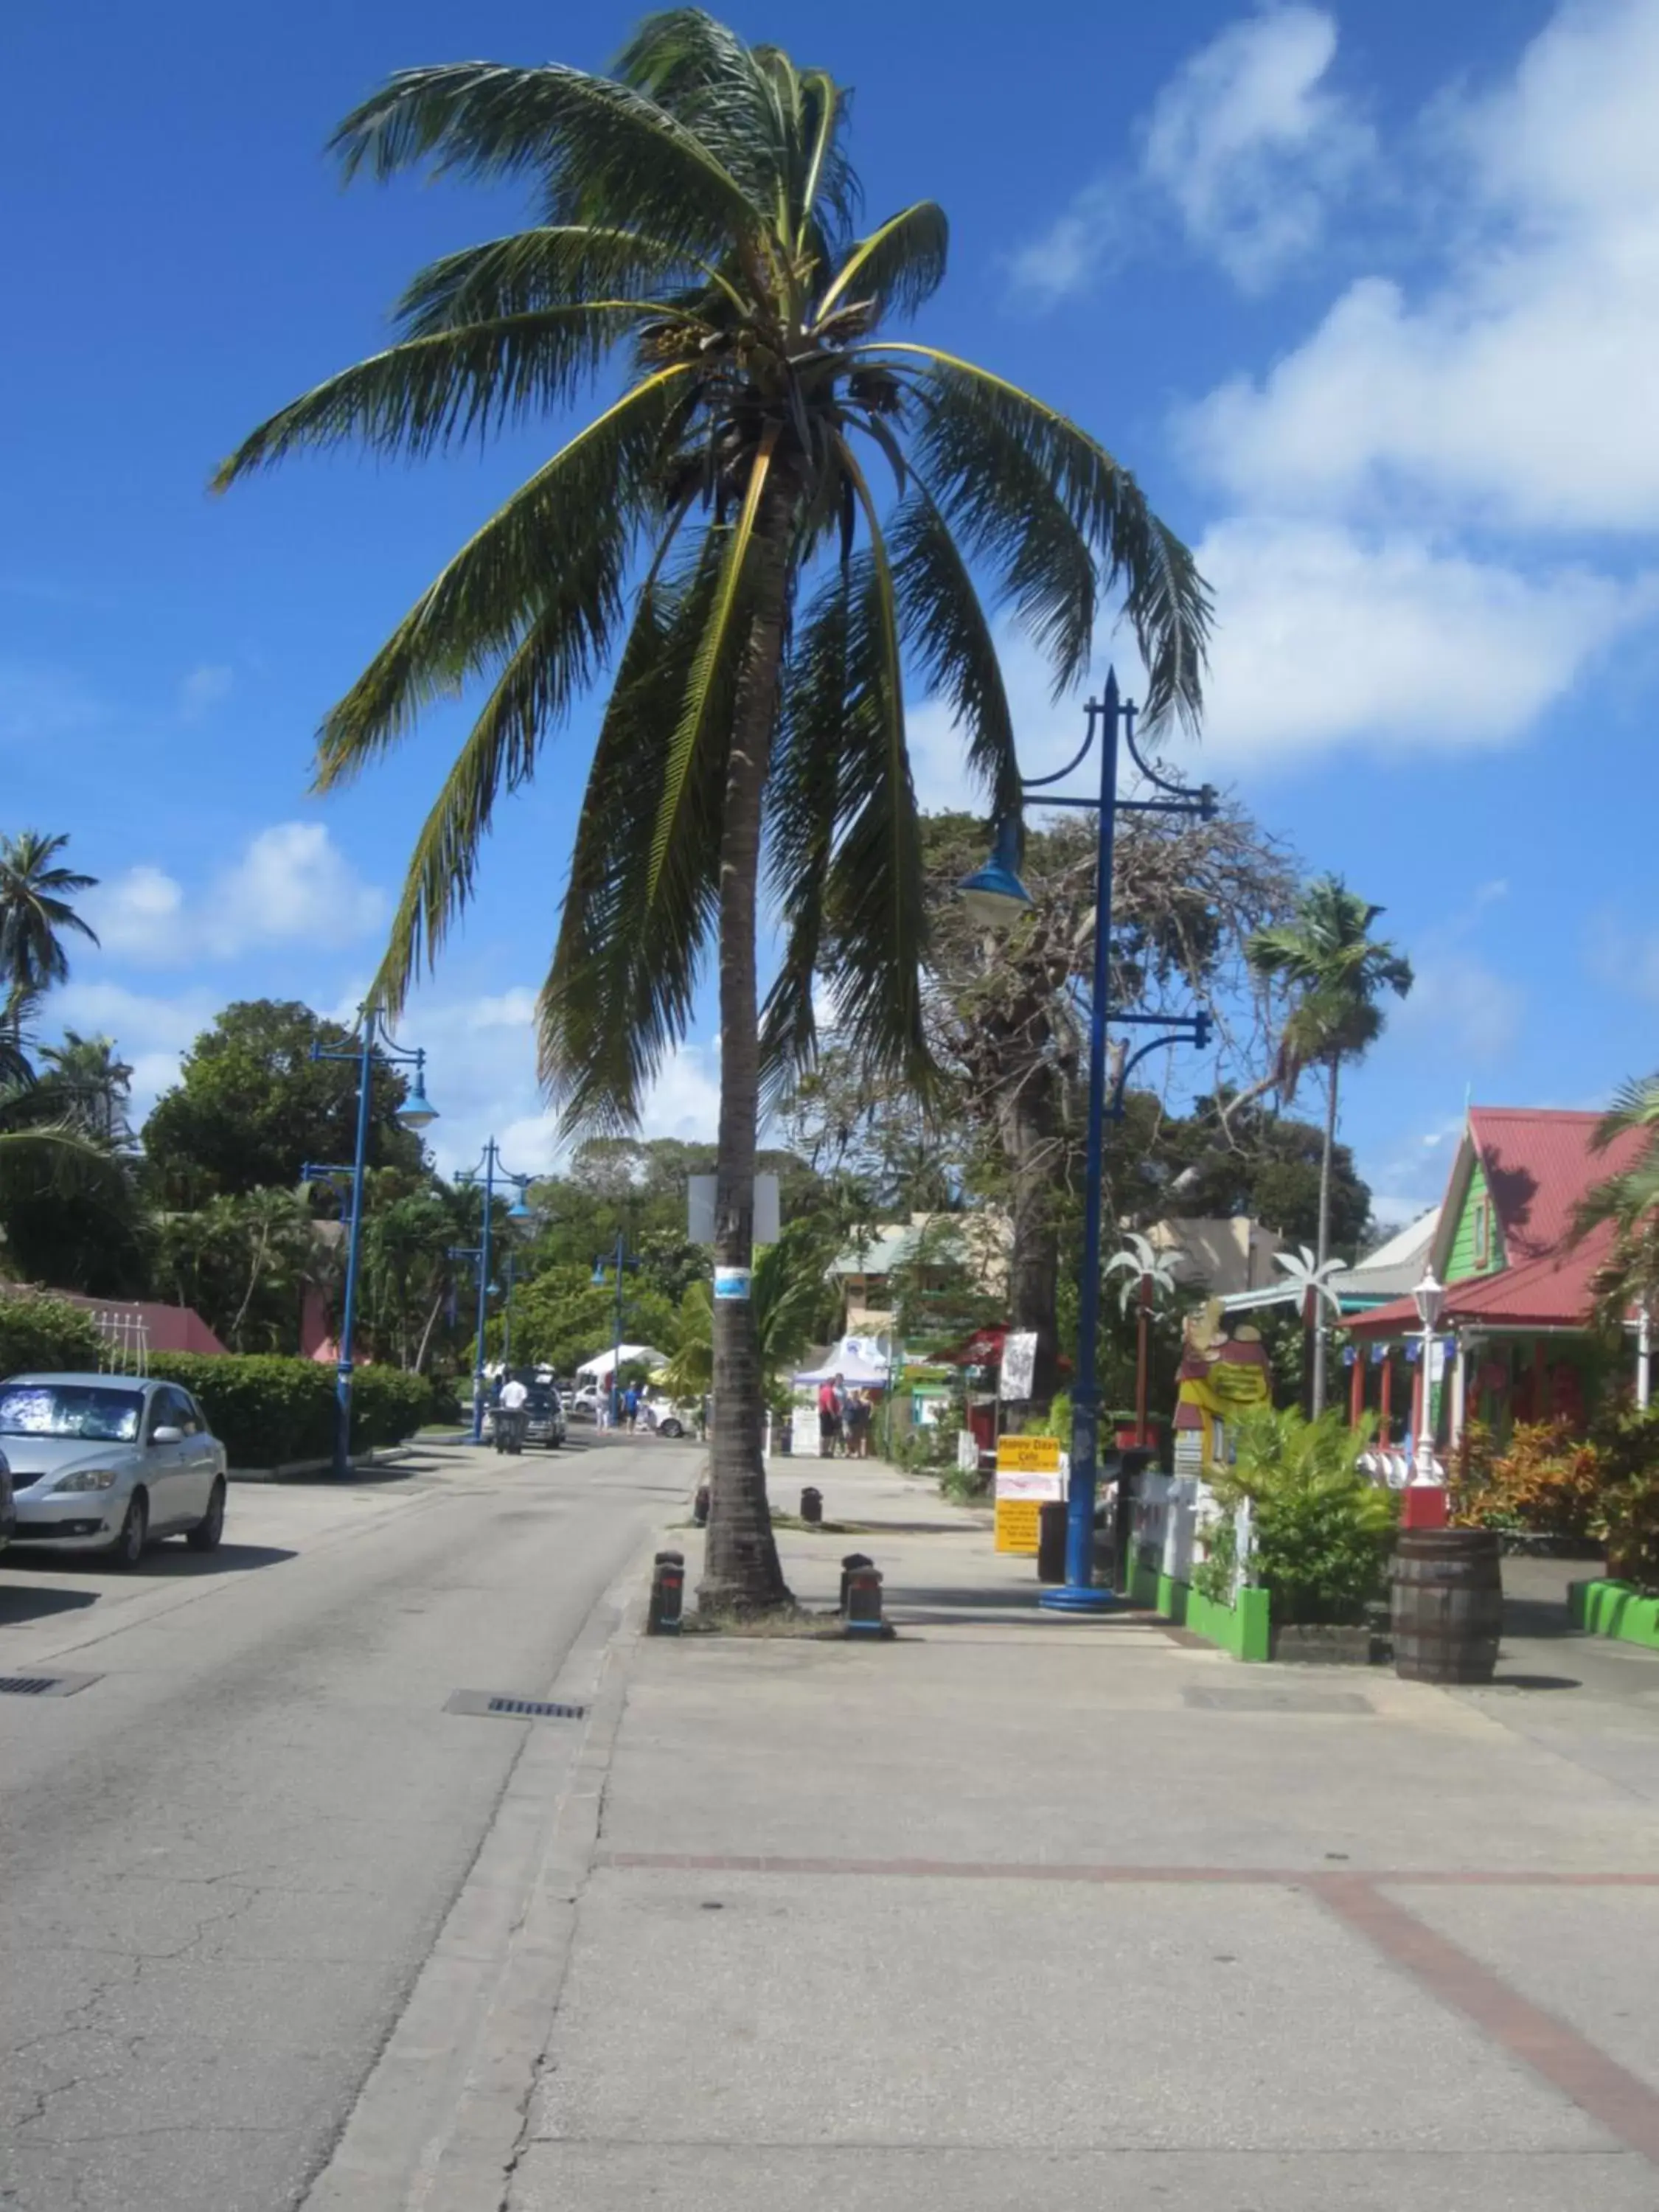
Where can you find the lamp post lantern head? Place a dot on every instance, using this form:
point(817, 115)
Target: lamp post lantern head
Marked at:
point(523, 1210)
point(417, 1111)
point(993, 894)
point(1429, 1296)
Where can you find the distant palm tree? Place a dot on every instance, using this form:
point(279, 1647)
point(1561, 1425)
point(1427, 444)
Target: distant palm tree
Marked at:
point(36, 910)
point(96, 1083)
point(694, 240)
point(1336, 970)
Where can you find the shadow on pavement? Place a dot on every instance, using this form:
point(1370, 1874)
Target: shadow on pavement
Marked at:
point(1538, 1617)
point(170, 1561)
point(19, 1603)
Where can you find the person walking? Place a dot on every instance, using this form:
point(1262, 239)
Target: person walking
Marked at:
point(510, 1415)
point(858, 1411)
point(829, 1419)
point(631, 1406)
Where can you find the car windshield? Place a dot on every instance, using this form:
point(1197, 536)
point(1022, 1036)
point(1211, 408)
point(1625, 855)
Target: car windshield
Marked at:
point(70, 1409)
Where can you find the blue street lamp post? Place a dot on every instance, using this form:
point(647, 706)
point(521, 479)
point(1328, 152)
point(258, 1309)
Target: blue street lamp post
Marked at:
point(375, 1042)
point(995, 895)
point(619, 1261)
point(485, 1177)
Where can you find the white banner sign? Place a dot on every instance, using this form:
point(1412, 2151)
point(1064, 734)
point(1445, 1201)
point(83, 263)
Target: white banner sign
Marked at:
point(1019, 1366)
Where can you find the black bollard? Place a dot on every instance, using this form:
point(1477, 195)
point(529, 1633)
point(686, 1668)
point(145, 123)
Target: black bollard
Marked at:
point(862, 1611)
point(700, 1506)
point(667, 1595)
point(849, 1566)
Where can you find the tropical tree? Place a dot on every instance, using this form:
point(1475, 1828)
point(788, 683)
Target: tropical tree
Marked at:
point(711, 543)
point(1628, 1200)
point(96, 1080)
point(1335, 970)
point(37, 892)
point(793, 1304)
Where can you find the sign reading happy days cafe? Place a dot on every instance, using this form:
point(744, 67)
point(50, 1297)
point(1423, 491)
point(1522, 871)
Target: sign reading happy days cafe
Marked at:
point(1028, 1477)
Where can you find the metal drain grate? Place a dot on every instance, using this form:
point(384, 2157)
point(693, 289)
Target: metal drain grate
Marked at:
point(43, 1685)
point(489, 1702)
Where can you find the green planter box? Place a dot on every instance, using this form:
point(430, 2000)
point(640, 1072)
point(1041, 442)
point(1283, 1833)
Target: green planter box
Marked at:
point(1616, 1609)
point(1241, 1629)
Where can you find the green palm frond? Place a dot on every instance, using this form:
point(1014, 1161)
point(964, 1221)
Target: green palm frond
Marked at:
point(553, 265)
point(901, 266)
point(560, 544)
point(598, 150)
point(621, 988)
point(442, 389)
point(804, 808)
point(973, 415)
point(37, 892)
point(873, 900)
point(712, 673)
point(1635, 1106)
point(951, 648)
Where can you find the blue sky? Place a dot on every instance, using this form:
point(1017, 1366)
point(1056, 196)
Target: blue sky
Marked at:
point(1368, 296)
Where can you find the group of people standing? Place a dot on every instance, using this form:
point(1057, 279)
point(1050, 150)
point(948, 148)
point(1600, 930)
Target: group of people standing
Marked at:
point(844, 1417)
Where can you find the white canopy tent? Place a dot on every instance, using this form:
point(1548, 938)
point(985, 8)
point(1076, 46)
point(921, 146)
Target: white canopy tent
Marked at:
point(641, 1354)
point(862, 1362)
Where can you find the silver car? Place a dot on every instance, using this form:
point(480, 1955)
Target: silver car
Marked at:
point(104, 1463)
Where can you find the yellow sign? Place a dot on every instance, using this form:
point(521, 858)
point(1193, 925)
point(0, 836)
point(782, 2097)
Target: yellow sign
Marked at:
point(1028, 1455)
point(1017, 1524)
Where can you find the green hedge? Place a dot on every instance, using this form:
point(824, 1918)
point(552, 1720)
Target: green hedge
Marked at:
point(268, 1411)
point(44, 1334)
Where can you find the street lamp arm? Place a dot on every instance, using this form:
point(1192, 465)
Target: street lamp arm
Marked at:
point(1193, 1029)
point(1041, 782)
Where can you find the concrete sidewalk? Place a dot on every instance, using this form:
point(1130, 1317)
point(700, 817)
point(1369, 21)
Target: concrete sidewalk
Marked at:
point(1016, 1910)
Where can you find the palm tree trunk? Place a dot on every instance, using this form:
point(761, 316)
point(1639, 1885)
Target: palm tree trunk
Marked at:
point(1324, 1253)
point(740, 1567)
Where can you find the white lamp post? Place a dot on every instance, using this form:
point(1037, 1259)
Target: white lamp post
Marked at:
point(1429, 1297)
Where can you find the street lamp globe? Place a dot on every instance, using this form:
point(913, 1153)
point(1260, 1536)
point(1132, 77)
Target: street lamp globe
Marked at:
point(993, 893)
point(417, 1111)
point(1429, 1296)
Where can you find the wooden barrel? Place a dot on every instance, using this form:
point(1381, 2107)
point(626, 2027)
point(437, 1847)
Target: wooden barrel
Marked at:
point(1446, 1604)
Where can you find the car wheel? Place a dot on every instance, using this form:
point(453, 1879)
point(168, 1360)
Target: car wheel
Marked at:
point(205, 1535)
point(129, 1546)
point(670, 1428)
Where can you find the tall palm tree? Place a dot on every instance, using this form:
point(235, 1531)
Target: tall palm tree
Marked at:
point(36, 890)
point(1335, 970)
point(711, 541)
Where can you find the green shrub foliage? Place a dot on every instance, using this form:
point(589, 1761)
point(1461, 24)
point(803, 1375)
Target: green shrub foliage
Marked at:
point(268, 1411)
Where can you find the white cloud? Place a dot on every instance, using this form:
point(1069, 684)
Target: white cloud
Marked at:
point(152, 1033)
point(1326, 636)
point(292, 884)
point(1518, 392)
point(1251, 145)
point(1246, 144)
point(208, 685)
point(139, 915)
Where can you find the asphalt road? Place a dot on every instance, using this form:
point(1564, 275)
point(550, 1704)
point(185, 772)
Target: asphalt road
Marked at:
point(225, 1861)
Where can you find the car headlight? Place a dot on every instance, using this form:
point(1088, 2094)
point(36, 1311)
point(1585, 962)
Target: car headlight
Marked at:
point(88, 1478)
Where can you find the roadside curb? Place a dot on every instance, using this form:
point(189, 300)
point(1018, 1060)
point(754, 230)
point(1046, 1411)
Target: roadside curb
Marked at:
point(440, 2121)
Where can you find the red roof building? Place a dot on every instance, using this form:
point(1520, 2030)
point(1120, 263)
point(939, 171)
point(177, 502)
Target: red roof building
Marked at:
point(1517, 1320)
